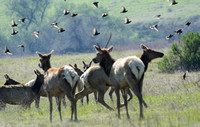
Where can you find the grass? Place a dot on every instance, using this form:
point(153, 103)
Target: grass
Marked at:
point(171, 101)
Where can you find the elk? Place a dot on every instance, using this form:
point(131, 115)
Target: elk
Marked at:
point(20, 94)
point(10, 81)
point(57, 82)
point(126, 72)
point(80, 87)
point(45, 65)
point(95, 79)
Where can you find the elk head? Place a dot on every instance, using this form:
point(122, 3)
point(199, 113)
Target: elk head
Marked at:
point(75, 67)
point(45, 60)
point(86, 66)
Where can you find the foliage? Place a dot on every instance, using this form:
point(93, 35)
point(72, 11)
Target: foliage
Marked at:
point(184, 55)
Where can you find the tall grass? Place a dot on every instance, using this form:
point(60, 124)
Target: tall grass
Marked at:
point(171, 100)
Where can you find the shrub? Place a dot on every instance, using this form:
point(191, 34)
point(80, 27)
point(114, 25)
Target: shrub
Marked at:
point(184, 55)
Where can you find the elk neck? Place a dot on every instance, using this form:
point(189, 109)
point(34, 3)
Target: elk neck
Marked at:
point(145, 60)
point(107, 63)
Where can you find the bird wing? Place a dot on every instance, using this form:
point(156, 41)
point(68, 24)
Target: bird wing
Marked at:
point(94, 31)
point(36, 35)
point(13, 22)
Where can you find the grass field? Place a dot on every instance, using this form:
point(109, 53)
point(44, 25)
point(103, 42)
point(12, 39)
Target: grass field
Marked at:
point(171, 101)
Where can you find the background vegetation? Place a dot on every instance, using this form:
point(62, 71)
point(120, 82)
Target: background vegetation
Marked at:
point(184, 55)
point(78, 34)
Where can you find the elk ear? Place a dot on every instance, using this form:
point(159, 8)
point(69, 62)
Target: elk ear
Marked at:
point(71, 65)
point(110, 49)
point(98, 49)
point(49, 55)
point(90, 63)
point(75, 65)
point(6, 77)
point(143, 47)
point(39, 54)
point(83, 63)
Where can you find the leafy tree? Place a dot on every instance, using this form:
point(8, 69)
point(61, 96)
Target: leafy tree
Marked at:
point(183, 55)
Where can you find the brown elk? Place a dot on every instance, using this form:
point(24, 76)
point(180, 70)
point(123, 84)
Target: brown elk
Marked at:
point(126, 72)
point(59, 81)
point(20, 94)
point(45, 65)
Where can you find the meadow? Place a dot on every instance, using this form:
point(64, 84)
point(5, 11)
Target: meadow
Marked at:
point(171, 100)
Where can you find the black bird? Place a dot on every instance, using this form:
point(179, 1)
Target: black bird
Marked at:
point(7, 51)
point(104, 15)
point(184, 75)
point(13, 24)
point(65, 12)
point(123, 10)
point(95, 32)
point(95, 4)
point(22, 20)
point(169, 36)
point(157, 16)
point(127, 20)
point(155, 27)
point(73, 14)
point(187, 24)
point(60, 30)
point(179, 31)
point(21, 46)
point(174, 2)
point(13, 32)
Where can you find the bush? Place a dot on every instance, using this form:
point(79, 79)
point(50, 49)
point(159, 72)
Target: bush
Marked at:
point(184, 55)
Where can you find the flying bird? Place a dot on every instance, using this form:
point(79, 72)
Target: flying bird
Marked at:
point(173, 2)
point(104, 15)
point(187, 24)
point(157, 16)
point(169, 36)
point(73, 14)
point(95, 4)
point(36, 34)
point(7, 51)
point(127, 20)
point(155, 27)
point(65, 12)
point(21, 46)
point(179, 31)
point(13, 32)
point(22, 20)
point(13, 24)
point(60, 30)
point(95, 32)
point(123, 10)
point(54, 25)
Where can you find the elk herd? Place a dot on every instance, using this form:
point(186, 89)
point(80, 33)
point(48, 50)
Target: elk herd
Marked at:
point(121, 76)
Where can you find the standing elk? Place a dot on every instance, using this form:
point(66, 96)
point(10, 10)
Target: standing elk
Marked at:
point(126, 72)
point(45, 65)
point(58, 82)
point(20, 94)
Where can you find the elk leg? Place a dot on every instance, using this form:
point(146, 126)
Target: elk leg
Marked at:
point(87, 97)
point(83, 93)
point(118, 100)
point(95, 96)
point(50, 107)
point(59, 106)
point(37, 101)
point(111, 92)
point(101, 100)
point(130, 94)
point(124, 91)
point(82, 101)
point(63, 101)
point(130, 78)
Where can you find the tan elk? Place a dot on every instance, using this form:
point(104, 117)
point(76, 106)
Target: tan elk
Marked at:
point(126, 72)
point(57, 82)
point(95, 79)
point(45, 64)
point(20, 94)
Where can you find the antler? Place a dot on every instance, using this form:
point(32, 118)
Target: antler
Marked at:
point(108, 40)
point(98, 45)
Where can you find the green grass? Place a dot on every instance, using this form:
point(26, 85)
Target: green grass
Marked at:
point(171, 101)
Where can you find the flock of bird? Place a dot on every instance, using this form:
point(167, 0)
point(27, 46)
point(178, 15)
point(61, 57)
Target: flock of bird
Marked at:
point(95, 31)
